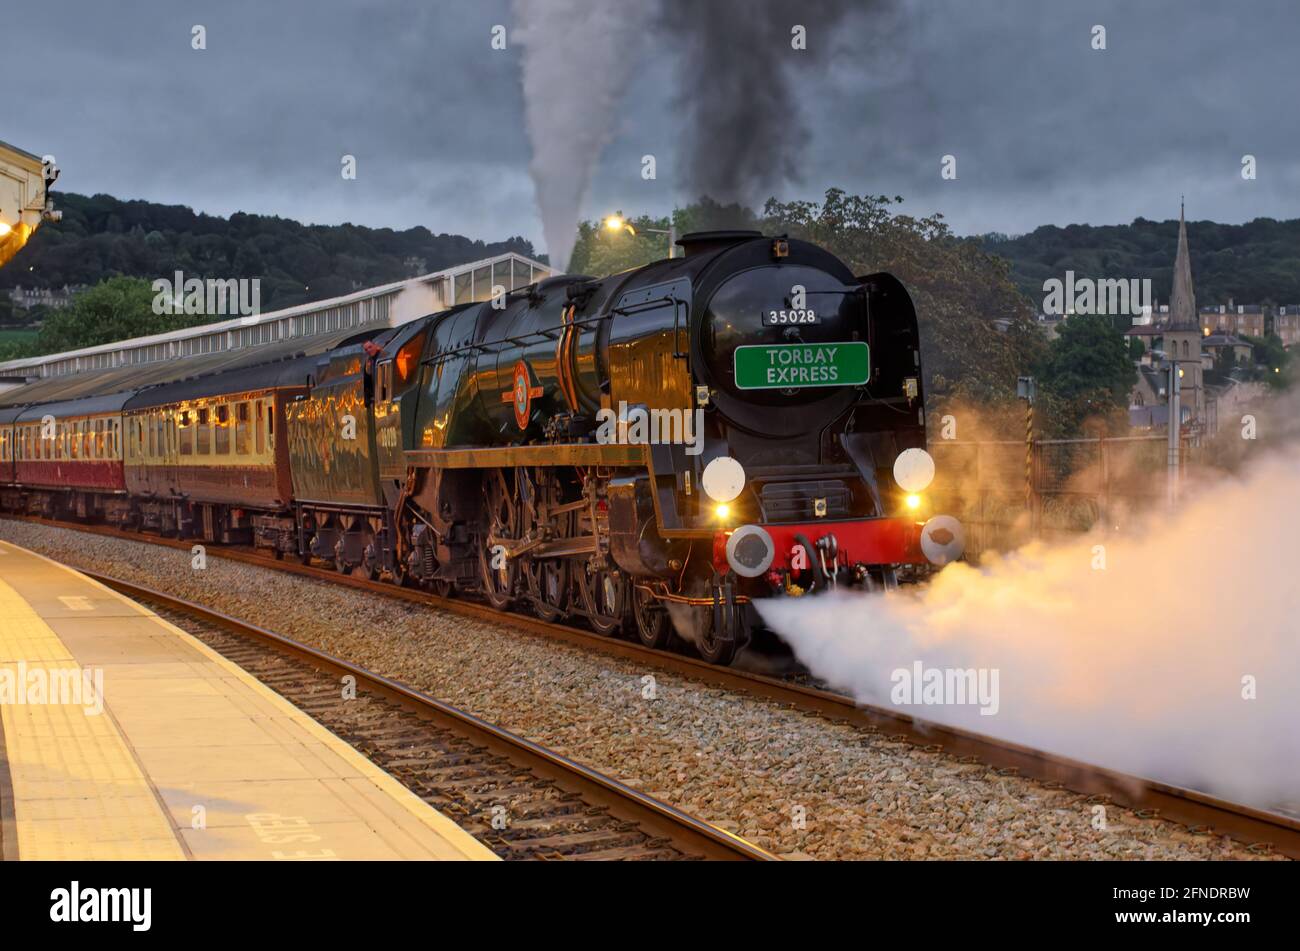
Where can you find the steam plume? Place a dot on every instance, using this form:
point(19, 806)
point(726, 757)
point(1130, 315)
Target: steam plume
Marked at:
point(1137, 666)
point(577, 60)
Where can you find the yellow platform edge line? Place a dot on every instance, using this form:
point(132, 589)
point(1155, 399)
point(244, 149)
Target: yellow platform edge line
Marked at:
point(37, 841)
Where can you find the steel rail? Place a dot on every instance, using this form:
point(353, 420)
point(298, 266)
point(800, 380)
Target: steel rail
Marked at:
point(688, 833)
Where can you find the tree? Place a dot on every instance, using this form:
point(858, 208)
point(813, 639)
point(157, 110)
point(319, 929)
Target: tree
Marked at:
point(600, 251)
point(1271, 359)
point(957, 287)
point(1088, 372)
point(116, 309)
point(1255, 262)
point(101, 236)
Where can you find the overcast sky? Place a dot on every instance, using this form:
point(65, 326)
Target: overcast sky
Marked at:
point(1045, 130)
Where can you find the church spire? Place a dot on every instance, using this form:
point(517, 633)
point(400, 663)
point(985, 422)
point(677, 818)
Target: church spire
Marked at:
point(1182, 300)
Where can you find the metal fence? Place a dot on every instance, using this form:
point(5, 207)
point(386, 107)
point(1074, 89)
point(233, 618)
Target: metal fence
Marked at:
point(1007, 492)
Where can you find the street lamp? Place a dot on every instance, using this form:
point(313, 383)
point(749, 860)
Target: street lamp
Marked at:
point(619, 223)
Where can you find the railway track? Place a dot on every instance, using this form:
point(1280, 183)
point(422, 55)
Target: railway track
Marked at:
point(1261, 830)
point(520, 799)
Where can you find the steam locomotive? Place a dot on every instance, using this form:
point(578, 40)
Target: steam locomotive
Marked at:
point(650, 452)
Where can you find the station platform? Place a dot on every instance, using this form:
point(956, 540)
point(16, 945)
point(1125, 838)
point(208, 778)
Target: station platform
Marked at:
point(124, 737)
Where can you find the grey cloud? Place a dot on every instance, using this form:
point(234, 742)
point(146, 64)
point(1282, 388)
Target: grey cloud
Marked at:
point(1045, 129)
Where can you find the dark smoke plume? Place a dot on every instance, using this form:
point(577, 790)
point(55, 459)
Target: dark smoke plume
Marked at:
point(739, 75)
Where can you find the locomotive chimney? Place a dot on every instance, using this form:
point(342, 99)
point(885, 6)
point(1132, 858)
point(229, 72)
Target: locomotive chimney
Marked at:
point(703, 242)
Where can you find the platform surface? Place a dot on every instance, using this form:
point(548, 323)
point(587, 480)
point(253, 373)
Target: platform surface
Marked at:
point(124, 737)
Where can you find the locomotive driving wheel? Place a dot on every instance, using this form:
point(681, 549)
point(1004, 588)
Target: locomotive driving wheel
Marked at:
point(548, 584)
point(714, 646)
point(369, 567)
point(653, 625)
point(603, 593)
point(547, 579)
point(497, 570)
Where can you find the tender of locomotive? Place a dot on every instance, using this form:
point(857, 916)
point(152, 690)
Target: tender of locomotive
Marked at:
point(788, 390)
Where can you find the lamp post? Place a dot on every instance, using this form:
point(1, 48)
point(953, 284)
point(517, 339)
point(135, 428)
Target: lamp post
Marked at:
point(1025, 390)
point(1175, 427)
point(618, 223)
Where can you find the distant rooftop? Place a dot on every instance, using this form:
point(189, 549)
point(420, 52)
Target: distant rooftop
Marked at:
point(388, 305)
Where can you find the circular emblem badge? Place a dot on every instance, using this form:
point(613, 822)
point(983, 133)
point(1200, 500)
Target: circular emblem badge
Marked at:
point(523, 394)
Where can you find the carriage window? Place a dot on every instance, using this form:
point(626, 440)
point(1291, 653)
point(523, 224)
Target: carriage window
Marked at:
point(261, 434)
point(270, 423)
point(221, 429)
point(74, 438)
point(186, 434)
point(202, 441)
point(241, 429)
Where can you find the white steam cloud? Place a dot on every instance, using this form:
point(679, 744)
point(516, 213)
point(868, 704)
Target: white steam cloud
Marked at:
point(578, 58)
point(1138, 666)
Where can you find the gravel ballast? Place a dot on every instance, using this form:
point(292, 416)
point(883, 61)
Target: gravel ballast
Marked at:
point(792, 782)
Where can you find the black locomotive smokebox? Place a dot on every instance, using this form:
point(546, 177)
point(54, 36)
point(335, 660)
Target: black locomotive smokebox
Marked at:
point(703, 242)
